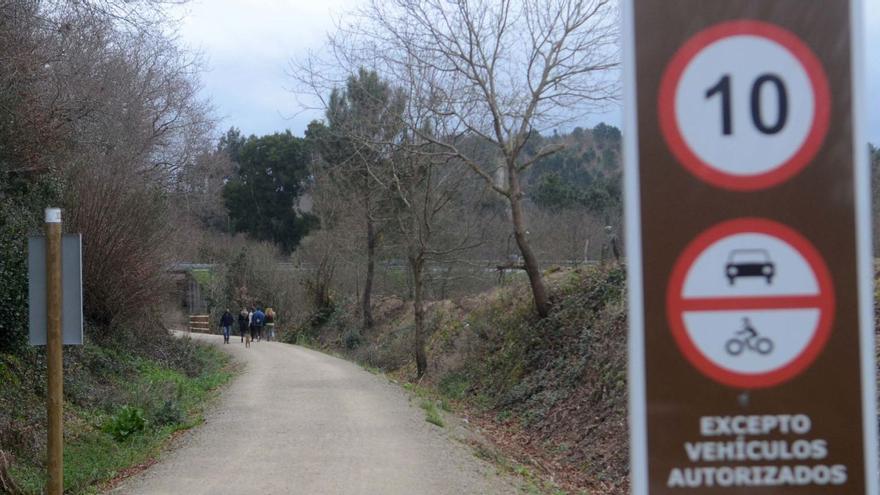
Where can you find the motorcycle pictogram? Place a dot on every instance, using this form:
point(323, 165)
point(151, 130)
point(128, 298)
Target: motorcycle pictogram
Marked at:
point(750, 340)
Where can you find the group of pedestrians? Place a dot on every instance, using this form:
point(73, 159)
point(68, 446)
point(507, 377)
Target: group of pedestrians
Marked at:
point(251, 322)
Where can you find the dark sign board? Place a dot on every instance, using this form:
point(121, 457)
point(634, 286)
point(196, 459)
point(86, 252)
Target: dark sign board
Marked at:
point(71, 290)
point(749, 246)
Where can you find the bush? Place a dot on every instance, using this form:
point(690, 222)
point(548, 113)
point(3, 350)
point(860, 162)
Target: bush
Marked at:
point(125, 423)
point(352, 339)
point(126, 222)
point(454, 385)
point(170, 413)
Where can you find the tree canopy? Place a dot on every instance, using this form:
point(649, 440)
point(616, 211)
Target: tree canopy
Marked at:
point(263, 194)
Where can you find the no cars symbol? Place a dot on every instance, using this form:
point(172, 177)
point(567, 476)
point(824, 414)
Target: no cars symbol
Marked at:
point(750, 303)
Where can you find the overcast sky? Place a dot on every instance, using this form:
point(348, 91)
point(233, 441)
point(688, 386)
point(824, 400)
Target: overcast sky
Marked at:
point(248, 46)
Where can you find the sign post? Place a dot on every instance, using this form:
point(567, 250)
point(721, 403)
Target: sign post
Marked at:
point(749, 246)
point(54, 361)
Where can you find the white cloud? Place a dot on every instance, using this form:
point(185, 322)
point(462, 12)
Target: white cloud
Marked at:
point(249, 45)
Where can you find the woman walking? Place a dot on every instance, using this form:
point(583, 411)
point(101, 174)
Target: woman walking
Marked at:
point(270, 324)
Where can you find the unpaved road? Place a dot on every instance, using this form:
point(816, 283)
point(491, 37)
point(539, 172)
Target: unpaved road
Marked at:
point(300, 422)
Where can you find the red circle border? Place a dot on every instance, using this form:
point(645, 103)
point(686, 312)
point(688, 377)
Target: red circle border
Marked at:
point(675, 310)
point(821, 104)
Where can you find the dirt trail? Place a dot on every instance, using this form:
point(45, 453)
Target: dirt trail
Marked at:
point(300, 422)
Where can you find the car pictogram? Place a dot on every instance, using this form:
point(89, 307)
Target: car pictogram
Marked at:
point(749, 263)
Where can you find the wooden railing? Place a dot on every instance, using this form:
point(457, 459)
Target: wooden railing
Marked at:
point(200, 323)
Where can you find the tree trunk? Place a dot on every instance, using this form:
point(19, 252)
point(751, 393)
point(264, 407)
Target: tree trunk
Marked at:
point(615, 250)
point(367, 303)
point(417, 264)
point(539, 291)
point(323, 279)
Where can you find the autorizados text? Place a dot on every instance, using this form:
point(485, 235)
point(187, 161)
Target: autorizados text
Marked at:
point(745, 448)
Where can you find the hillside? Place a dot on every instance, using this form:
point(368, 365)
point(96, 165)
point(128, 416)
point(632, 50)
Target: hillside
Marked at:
point(585, 173)
point(550, 394)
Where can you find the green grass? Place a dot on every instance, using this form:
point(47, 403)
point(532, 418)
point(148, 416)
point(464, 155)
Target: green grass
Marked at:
point(432, 415)
point(202, 275)
point(532, 484)
point(95, 457)
point(372, 369)
point(92, 456)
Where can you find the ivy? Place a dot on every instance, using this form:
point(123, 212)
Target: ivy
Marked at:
point(21, 205)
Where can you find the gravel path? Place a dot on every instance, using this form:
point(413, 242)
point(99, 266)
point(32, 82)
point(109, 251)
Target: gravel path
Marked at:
point(300, 422)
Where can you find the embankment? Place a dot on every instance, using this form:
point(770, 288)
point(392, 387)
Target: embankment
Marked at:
point(549, 394)
point(123, 401)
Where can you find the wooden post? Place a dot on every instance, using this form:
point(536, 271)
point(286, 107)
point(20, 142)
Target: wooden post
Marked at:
point(54, 362)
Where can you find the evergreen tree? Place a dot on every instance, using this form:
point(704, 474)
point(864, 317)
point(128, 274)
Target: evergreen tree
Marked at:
point(263, 194)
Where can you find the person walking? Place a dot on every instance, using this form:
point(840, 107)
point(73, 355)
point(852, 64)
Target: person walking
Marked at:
point(226, 324)
point(270, 324)
point(242, 322)
point(251, 324)
point(258, 321)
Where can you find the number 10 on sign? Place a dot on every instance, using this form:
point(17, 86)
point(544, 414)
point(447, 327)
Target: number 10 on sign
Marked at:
point(744, 105)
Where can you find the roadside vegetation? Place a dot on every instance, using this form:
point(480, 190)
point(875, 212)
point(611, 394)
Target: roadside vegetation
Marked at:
point(549, 394)
point(101, 117)
point(124, 401)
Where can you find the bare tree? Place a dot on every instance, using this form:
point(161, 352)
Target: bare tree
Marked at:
point(501, 71)
point(64, 64)
point(430, 218)
point(422, 188)
point(199, 186)
point(98, 96)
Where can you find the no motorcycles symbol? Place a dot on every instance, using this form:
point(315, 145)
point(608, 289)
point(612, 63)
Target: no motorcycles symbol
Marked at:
point(750, 303)
point(744, 105)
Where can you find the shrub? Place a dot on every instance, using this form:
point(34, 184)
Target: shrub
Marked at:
point(169, 413)
point(352, 339)
point(454, 385)
point(125, 221)
point(125, 423)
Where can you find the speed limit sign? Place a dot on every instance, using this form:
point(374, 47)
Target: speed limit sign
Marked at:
point(744, 126)
point(750, 271)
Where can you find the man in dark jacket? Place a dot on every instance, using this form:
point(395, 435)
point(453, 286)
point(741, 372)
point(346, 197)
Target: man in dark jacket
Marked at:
point(226, 322)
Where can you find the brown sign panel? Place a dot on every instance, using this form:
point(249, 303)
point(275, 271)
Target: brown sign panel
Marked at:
point(751, 339)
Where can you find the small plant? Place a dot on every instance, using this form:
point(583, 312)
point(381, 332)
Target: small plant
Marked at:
point(169, 413)
point(125, 423)
point(301, 339)
point(454, 386)
point(522, 471)
point(432, 415)
point(503, 416)
point(352, 339)
point(322, 316)
point(373, 369)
